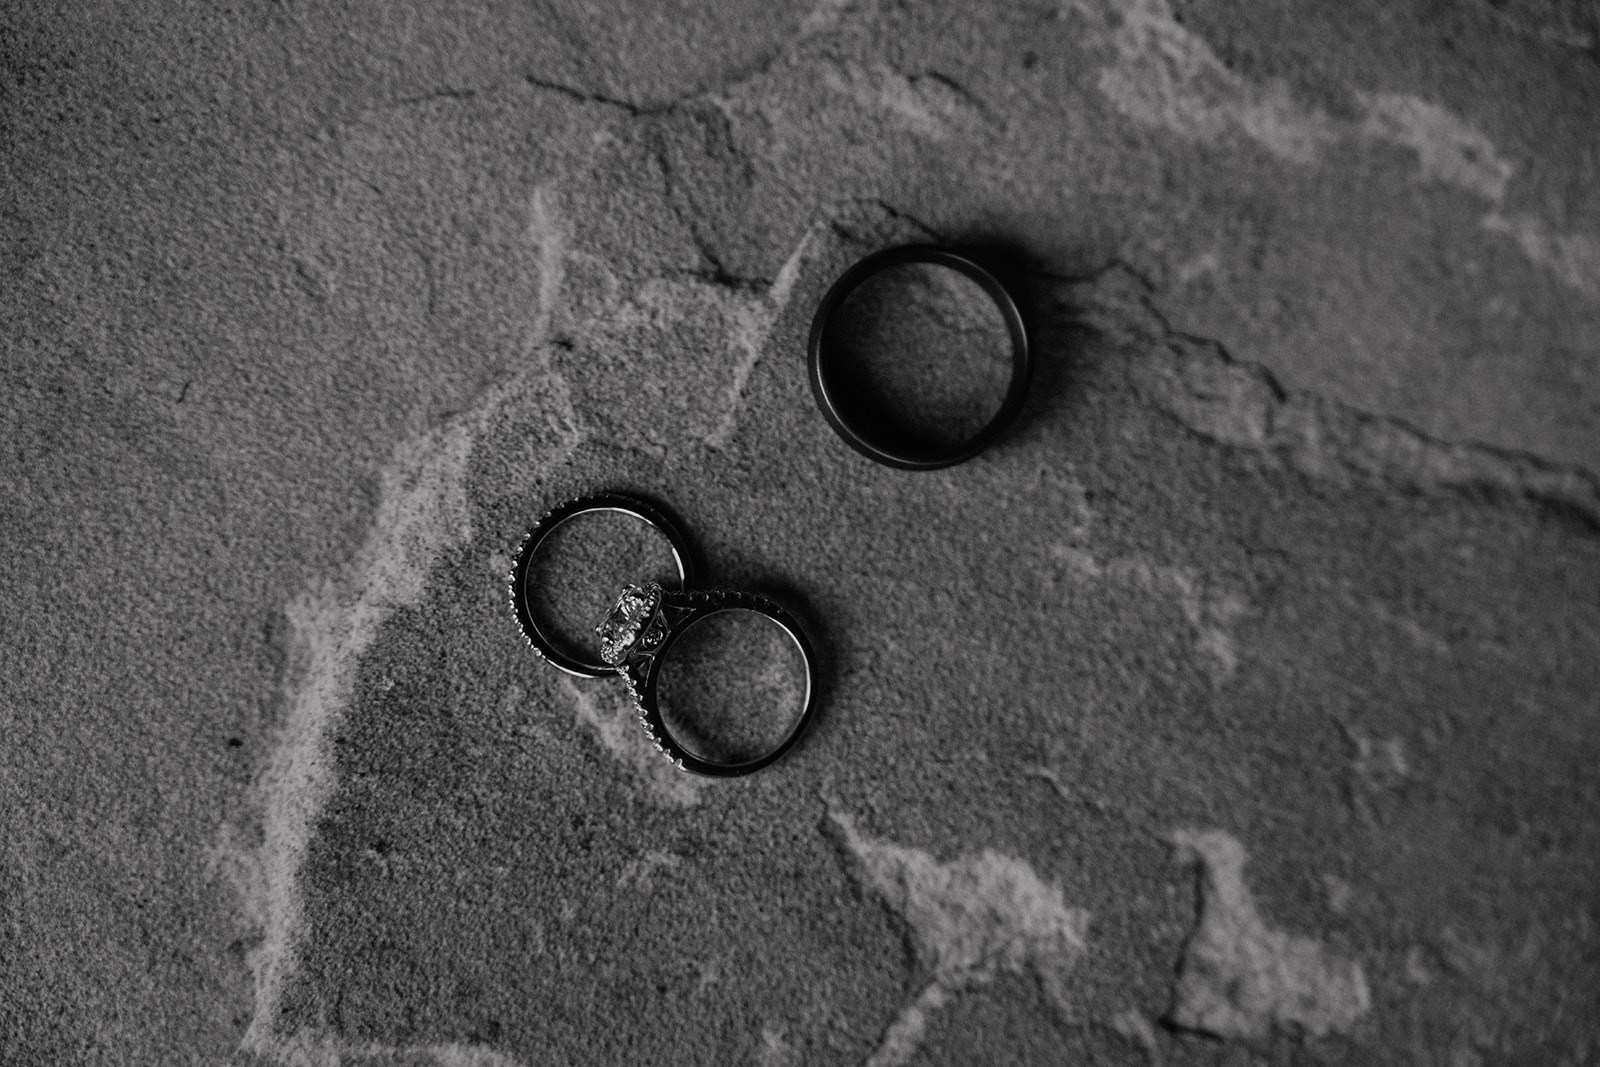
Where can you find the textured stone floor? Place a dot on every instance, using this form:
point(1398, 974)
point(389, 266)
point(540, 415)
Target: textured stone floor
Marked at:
point(1242, 705)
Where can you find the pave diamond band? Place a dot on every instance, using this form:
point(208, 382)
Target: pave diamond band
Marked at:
point(638, 635)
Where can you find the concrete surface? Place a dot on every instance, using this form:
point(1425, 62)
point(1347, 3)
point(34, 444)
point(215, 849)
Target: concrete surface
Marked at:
point(1241, 706)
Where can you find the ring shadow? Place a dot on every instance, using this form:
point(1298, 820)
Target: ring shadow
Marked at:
point(1053, 322)
point(824, 654)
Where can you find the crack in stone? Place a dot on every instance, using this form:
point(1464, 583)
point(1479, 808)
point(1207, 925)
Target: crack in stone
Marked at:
point(753, 329)
point(811, 26)
point(1239, 405)
point(826, 18)
point(589, 97)
point(929, 105)
point(682, 205)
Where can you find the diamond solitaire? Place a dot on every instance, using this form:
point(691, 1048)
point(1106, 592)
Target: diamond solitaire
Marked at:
point(619, 631)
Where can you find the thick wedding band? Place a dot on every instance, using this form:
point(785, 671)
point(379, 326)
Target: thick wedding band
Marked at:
point(537, 639)
point(876, 443)
point(639, 633)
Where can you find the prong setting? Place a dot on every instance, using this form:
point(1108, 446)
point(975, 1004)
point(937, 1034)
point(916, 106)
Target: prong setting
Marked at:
point(632, 621)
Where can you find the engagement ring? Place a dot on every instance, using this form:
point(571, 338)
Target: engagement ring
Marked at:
point(640, 631)
point(637, 636)
point(521, 573)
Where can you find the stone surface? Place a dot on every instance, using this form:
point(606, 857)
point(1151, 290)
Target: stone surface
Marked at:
point(311, 310)
point(1239, 977)
point(970, 920)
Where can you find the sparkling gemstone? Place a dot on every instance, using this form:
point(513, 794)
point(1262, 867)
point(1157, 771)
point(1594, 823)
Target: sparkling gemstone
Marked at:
point(619, 631)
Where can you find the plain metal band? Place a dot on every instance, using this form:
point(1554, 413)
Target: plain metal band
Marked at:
point(642, 670)
point(875, 447)
point(571, 509)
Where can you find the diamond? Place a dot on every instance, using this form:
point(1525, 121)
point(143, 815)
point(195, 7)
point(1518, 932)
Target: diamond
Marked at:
point(619, 631)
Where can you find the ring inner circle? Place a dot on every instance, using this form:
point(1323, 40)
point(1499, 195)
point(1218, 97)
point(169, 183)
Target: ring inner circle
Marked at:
point(578, 567)
point(919, 358)
point(732, 686)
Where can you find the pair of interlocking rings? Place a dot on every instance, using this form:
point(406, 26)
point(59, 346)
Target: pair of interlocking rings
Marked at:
point(640, 631)
point(646, 622)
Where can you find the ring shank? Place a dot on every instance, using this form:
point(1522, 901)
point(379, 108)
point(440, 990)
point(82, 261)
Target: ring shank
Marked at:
point(842, 410)
point(643, 673)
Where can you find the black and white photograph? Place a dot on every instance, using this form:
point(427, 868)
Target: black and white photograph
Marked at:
point(831, 533)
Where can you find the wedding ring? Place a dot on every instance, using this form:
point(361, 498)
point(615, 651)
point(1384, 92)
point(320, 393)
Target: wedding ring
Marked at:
point(875, 437)
point(637, 636)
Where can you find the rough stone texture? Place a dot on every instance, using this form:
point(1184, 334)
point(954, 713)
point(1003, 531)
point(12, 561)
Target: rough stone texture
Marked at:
point(970, 920)
point(311, 309)
point(1242, 978)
